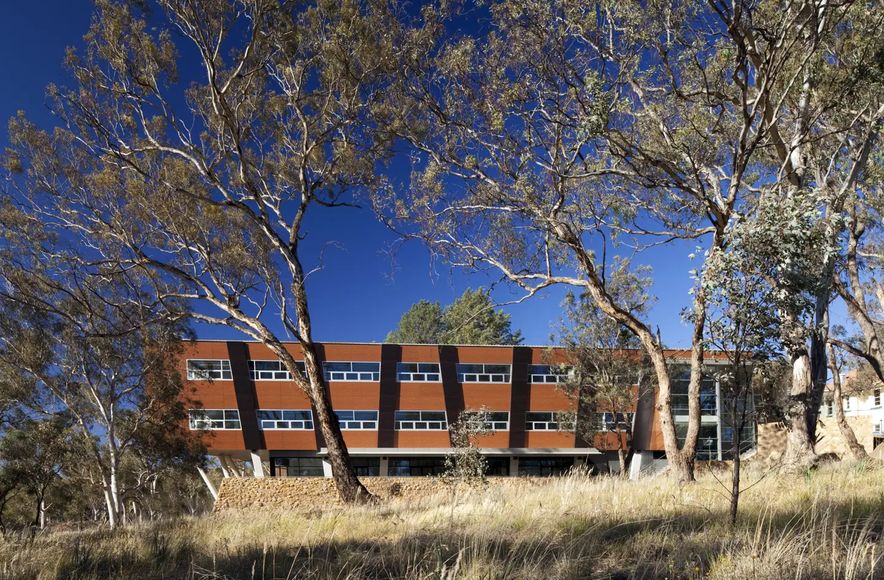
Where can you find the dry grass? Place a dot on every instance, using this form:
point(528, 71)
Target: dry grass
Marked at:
point(824, 524)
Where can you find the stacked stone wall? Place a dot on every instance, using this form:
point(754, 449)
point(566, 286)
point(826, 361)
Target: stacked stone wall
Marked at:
point(317, 493)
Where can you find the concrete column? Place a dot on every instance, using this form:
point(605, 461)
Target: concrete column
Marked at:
point(514, 466)
point(208, 483)
point(641, 461)
point(384, 467)
point(257, 464)
point(326, 468)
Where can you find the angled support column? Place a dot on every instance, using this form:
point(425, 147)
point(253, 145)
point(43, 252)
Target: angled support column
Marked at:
point(208, 483)
point(257, 464)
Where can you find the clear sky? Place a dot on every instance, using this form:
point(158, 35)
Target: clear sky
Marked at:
point(360, 294)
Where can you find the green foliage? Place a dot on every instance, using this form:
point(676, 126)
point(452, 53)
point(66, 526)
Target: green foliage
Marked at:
point(471, 319)
point(421, 324)
point(465, 463)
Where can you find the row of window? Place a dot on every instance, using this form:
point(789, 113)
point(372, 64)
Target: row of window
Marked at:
point(275, 370)
point(302, 419)
point(420, 466)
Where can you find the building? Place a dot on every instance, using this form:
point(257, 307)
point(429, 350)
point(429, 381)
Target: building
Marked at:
point(863, 411)
point(395, 402)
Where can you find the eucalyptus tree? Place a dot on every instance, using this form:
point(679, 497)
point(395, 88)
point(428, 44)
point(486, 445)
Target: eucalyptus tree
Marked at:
point(608, 371)
point(743, 326)
point(200, 140)
point(90, 347)
point(860, 266)
point(575, 132)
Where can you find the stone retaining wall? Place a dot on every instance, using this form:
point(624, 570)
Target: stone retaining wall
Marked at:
point(314, 493)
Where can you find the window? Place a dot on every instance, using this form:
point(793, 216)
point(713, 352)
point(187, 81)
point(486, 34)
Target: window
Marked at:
point(830, 409)
point(482, 373)
point(607, 421)
point(497, 420)
point(545, 466)
point(497, 466)
point(707, 444)
point(271, 370)
point(366, 466)
point(416, 466)
point(876, 397)
point(358, 420)
point(708, 398)
point(285, 419)
point(548, 421)
point(203, 369)
point(549, 373)
point(418, 372)
point(214, 419)
point(352, 371)
point(420, 421)
point(298, 466)
point(847, 403)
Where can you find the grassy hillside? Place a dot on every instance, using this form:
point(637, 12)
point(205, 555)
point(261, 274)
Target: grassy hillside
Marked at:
point(825, 524)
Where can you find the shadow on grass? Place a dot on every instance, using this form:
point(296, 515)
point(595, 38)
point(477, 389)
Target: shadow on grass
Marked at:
point(687, 545)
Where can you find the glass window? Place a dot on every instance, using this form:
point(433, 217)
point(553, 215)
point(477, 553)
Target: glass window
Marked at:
point(357, 420)
point(876, 397)
point(416, 466)
point(418, 372)
point(352, 371)
point(611, 421)
point(205, 369)
point(272, 419)
point(708, 399)
point(420, 421)
point(483, 373)
point(298, 466)
point(497, 466)
point(272, 370)
point(366, 466)
point(211, 419)
point(707, 444)
point(549, 373)
point(548, 421)
point(545, 466)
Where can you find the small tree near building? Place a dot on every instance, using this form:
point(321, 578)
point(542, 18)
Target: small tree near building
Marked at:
point(465, 463)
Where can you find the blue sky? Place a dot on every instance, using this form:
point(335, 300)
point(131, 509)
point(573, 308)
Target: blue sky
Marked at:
point(359, 295)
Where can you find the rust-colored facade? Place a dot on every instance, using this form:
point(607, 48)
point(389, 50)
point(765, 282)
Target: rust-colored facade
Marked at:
point(405, 437)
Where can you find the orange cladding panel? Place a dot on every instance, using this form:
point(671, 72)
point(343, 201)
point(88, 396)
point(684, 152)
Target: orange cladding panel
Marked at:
point(426, 439)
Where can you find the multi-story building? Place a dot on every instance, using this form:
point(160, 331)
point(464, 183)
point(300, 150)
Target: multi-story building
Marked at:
point(394, 404)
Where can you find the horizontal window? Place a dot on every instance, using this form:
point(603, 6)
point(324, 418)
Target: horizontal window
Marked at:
point(214, 419)
point(497, 420)
point(416, 466)
point(613, 421)
point(358, 420)
point(420, 421)
point(298, 466)
point(418, 372)
point(545, 466)
point(206, 369)
point(271, 370)
point(549, 373)
point(482, 373)
point(352, 371)
point(269, 419)
point(549, 421)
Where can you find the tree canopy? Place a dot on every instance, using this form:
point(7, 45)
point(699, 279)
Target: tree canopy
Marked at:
point(471, 319)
